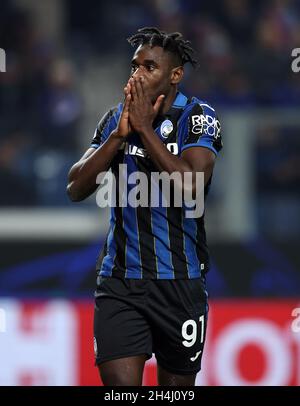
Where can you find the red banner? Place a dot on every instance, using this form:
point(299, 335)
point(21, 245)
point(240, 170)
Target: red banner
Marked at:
point(247, 343)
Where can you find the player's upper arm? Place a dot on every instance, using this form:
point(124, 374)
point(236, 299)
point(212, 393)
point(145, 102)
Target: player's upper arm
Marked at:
point(202, 140)
point(201, 160)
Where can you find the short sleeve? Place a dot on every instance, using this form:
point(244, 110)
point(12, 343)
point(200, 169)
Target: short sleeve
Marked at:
point(202, 129)
point(105, 126)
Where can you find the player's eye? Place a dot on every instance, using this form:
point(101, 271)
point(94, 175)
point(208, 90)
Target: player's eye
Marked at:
point(150, 68)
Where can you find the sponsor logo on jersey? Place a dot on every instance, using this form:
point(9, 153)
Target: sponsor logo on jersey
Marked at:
point(130, 149)
point(134, 150)
point(206, 124)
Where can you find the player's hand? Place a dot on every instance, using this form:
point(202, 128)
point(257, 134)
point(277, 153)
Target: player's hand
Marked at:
point(141, 110)
point(124, 128)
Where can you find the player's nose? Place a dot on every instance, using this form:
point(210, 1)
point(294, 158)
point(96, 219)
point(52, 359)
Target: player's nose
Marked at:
point(137, 73)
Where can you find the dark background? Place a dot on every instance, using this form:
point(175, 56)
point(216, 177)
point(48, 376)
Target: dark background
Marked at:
point(67, 62)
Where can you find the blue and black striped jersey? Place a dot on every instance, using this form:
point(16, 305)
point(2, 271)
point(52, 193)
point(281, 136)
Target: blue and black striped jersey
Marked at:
point(158, 242)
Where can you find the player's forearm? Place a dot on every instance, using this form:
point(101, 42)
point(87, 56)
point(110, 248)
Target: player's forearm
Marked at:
point(83, 175)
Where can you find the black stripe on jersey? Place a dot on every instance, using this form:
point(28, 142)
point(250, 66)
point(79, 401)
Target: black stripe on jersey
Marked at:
point(105, 119)
point(144, 225)
point(174, 117)
point(201, 246)
point(179, 259)
point(217, 142)
point(193, 138)
point(119, 232)
point(102, 124)
point(174, 218)
point(120, 239)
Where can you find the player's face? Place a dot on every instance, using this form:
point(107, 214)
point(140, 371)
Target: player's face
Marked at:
point(154, 64)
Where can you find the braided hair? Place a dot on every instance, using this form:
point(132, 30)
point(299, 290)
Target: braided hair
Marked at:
point(172, 42)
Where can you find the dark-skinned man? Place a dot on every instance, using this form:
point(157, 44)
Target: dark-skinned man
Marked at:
point(151, 293)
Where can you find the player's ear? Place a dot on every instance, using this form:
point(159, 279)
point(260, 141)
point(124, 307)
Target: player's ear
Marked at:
point(176, 75)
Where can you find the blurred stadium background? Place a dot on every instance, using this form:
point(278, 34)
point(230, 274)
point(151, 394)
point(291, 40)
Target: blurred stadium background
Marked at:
point(67, 62)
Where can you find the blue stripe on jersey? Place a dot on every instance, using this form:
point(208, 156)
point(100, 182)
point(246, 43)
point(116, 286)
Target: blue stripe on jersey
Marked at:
point(133, 256)
point(108, 260)
point(190, 237)
point(201, 143)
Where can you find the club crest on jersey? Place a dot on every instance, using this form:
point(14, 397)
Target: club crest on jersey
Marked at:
point(166, 128)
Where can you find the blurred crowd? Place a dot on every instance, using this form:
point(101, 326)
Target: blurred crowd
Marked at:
point(243, 47)
point(40, 113)
point(244, 54)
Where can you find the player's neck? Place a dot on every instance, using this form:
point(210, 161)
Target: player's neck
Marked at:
point(169, 100)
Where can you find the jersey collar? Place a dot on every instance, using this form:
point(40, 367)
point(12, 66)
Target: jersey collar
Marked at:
point(180, 101)
point(175, 110)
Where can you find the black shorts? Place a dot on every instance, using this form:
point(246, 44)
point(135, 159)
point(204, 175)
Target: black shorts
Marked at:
point(164, 317)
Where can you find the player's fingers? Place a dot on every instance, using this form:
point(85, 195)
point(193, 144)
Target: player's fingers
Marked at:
point(143, 82)
point(139, 89)
point(126, 104)
point(158, 103)
point(145, 85)
point(127, 89)
point(125, 93)
point(133, 89)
